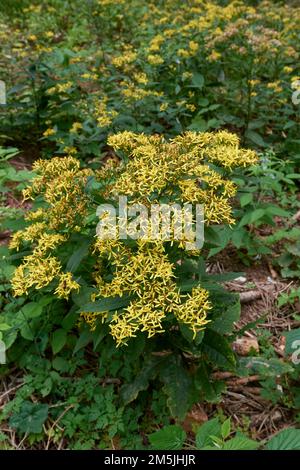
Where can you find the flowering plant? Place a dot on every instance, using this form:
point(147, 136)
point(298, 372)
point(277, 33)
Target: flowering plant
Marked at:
point(132, 289)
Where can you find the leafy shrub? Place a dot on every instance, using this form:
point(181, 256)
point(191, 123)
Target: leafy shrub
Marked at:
point(128, 288)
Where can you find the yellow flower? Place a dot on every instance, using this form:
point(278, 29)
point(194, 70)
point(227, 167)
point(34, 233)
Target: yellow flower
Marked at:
point(193, 312)
point(63, 87)
point(76, 126)
point(194, 46)
point(70, 150)
point(214, 56)
point(141, 78)
point(49, 132)
point(91, 318)
point(163, 107)
point(191, 107)
point(155, 59)
point(35, 272)
point(66, 285)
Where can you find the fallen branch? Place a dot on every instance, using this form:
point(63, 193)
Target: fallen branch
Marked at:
point(249, 296)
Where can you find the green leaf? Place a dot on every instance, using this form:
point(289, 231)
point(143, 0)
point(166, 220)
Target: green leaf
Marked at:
point(292, 344)
point(30, 418)
point(106, 304)
point(178, 386)
point(9, 338)
point(245, 199)
point(32, 310)
point(251, 217)
point(256, 215)
point(225, 429)
point(58, 340)
point(99, 334)
point(78, 256)
point(230, 314)
point(265, 367)
point(69, 320)
point(61, 364)
point(255, 138)
point(239, 236)
point(240, 443)
point(85, 337)
point(288, 439)
point(276, 210)
point(218, 350)
point(188, 334)
point(198, 80)
point(198, 124)
point(129, 392)
point(206, 430)
point(27, 332)
point(211, 390)
point(169, 438)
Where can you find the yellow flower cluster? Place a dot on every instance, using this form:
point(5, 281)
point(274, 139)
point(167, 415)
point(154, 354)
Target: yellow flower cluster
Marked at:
point(147, 274)
point(132, 92)
point(76, 126)
point(104, 116)
point(123, 61)
point(184, 169)
point(163, 168)
point(60, 88)
point(61, 183)
point(49, 132)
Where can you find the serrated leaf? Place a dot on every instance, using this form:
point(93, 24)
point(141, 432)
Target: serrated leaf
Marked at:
point(30, 418)
point(292, 341)
point(240, 443)
point(218, 350)
point(265, 367)
point(69, 320)
point(230, 314)
point(211, 390)
point(169, 438)
point(206, 431)
point(129, 392)
point(288, 439)
point(198, 124)
point(178, 386)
